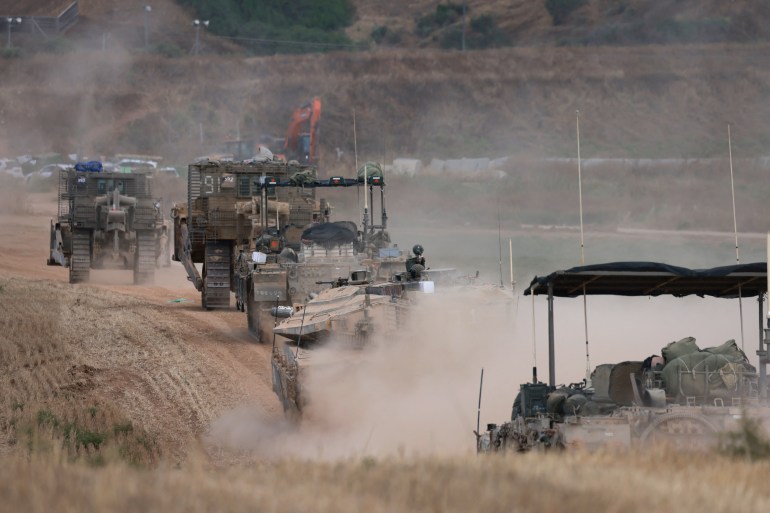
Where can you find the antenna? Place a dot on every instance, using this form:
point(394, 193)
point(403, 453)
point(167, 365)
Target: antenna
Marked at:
point(534, 343)
point(478, 411)
point(510, 262)
point(582, 250)
point(355, 142)
point(499, 245)
point(735, 228)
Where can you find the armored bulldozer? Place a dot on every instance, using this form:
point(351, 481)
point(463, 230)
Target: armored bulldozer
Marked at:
point(107, 220)
point(238, 208)
point(682, 398)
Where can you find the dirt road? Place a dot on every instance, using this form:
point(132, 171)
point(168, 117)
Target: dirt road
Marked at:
point(167, 366)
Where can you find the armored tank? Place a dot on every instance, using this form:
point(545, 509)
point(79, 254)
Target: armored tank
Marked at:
point(107, 220)
point(682, 397)
point(351, 313)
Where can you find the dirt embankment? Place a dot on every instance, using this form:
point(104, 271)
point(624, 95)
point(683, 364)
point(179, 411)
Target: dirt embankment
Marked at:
point(125, 354)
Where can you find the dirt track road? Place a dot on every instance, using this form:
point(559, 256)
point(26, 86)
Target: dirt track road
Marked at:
point(168, 366)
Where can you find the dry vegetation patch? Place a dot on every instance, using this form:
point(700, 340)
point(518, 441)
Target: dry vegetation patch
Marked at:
point(579, 482)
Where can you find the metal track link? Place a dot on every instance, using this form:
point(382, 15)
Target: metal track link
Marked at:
point(80, 261)
point(144, 266)
point(216, 275)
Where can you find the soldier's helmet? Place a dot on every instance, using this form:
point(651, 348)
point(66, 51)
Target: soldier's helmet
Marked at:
point(417, 250)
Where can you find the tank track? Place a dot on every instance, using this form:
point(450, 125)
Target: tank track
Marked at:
point(216, 275)
point(80, 260)
point(144, 266)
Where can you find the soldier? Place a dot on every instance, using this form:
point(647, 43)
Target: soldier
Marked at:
point(416, 264)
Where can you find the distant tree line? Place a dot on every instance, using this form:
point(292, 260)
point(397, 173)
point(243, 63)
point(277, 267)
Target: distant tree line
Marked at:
point(300, 25)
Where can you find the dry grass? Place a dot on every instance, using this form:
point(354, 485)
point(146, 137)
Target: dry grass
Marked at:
point(49, 397)
point(611, 482)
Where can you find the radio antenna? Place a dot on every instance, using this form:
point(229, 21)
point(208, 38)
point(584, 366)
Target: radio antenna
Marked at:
point(735, 228)
point(499, 245)
point(582, 250)
point(478, 411)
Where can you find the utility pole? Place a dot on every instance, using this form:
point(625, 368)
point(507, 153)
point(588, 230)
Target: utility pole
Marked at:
point(465, 6)
point(197, 46)
point(10, 21)
point(147, 11)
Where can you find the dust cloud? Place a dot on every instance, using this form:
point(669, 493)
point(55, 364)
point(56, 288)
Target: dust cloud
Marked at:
point(414, 393)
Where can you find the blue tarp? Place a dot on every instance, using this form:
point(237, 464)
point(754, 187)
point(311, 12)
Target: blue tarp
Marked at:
point(92, 166)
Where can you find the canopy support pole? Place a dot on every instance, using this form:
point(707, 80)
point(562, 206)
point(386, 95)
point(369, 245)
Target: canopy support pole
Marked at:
point(551, 345)
point(764, 338)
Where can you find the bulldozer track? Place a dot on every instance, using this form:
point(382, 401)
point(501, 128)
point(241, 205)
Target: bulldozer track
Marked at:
point(80, 261)
point(144, 268)
point(216, 275)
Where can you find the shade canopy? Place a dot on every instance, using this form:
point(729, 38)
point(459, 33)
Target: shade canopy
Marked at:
point(653, 279)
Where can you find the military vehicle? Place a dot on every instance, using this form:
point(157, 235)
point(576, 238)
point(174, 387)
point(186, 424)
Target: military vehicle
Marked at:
point(107, 220)
point(681, 398)
point(237, 208)
point(323, 252)
point(349, 313)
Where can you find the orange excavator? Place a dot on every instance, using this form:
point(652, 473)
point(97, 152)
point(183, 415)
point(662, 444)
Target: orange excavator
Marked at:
point(301, 143)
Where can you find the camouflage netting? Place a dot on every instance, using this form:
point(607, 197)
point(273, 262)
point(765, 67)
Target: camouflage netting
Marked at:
point(330, 235)
point(302, 177)
point(714, 371)
point(680, 348)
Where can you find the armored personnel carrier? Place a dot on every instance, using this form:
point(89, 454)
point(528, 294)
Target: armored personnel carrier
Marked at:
point(681, 398)
point(107, 220)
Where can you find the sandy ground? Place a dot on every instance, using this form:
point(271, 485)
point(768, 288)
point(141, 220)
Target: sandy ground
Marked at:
point(169, 366)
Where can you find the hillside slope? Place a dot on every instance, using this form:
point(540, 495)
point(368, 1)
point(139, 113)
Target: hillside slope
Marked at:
point(639, 101)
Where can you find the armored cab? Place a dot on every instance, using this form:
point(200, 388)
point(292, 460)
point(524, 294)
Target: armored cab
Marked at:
point(107, 220)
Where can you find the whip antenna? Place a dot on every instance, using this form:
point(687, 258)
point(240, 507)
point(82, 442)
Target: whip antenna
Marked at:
point(478, 411)
point(510, 262)
point(534, 342)
point(735, 227)
point(499, 245)
point(582, 250)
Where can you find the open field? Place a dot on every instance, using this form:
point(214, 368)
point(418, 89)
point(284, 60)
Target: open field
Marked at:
point(582, 483)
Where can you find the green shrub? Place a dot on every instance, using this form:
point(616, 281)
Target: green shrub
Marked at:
point(561, 9)
point(13, 52)
point(748, 441)
point(379, 33)
point(484, 24)
point(47, 418)
point(169, 50)
point(445, 15)
point(318, 23)
point(84, 438)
